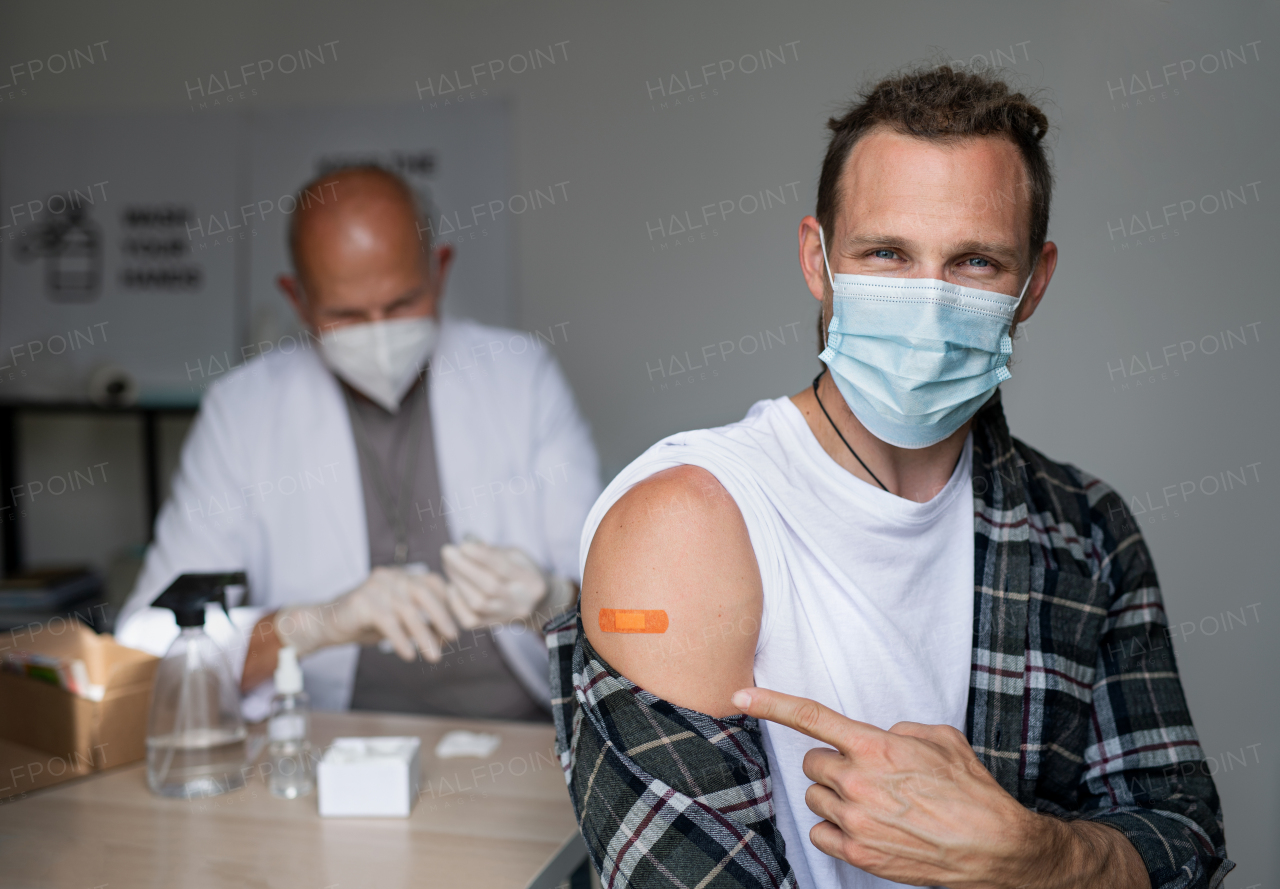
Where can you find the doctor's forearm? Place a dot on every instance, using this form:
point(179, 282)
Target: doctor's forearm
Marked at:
point(260, 659)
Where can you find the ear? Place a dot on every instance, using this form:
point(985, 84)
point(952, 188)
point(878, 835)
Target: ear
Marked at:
point(1039, 281)
point(291, 287)
point(292, 291)
point(439, 261)
point(444, 261)
point(812, 262)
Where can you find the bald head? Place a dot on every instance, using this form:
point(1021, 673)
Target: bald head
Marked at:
point(351, 210)
point(359, 253)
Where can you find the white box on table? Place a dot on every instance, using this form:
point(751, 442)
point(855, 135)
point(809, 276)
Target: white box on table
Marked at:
point(369, 777)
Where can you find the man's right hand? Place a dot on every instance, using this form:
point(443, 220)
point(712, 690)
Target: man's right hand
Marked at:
point(408, 610)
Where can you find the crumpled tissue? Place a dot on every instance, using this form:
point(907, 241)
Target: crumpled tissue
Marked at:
point(461, 743)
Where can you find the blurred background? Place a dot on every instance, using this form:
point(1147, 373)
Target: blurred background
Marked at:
point(626, 184)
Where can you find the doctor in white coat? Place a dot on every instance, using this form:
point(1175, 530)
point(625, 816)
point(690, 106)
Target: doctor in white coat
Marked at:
point(394, 478)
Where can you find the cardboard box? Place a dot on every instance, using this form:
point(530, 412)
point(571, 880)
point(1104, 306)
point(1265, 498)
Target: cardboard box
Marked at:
point(104, 733)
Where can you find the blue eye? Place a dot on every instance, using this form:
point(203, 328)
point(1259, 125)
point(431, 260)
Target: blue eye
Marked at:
point(978, 262)
point(884, 253)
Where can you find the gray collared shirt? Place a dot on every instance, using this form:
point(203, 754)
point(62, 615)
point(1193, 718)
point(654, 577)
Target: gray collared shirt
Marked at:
point(471, 680)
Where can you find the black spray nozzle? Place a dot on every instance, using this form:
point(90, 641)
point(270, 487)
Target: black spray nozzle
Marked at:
point(187, 596)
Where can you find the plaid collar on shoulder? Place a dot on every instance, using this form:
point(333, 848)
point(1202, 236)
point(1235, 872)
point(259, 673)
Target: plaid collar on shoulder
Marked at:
point(1002, 581)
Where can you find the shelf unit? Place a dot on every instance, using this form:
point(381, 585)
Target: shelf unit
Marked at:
point(148, 415)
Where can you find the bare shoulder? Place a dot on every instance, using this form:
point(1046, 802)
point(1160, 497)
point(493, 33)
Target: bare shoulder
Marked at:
point(676, 544)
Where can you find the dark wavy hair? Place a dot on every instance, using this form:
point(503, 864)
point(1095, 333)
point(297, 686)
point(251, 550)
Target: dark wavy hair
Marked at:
point(942, 104)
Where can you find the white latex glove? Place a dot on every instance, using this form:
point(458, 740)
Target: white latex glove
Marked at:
point(492, 585)
point(408, 610)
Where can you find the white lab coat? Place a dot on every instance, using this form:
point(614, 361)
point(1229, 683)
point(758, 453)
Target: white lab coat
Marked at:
point(269, 482)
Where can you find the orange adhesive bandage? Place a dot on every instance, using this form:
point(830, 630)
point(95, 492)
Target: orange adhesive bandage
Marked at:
point(621, 620)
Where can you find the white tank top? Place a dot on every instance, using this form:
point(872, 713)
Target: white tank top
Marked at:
point(868, 597)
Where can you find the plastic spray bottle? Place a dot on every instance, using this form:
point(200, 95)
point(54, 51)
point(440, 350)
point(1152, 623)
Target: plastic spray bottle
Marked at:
point(195, 736)
point(288, 729)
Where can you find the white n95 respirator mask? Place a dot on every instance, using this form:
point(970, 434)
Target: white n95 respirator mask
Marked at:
point(915, 358)
point(380, 359)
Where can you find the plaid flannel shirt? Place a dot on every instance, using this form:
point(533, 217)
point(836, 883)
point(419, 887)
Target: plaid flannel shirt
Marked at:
point(1074, 704)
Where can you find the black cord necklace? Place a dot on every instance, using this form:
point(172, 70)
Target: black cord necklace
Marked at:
point(838, 432)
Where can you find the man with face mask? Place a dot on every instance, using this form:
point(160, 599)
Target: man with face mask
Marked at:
point(405, 493)
point(864, 637)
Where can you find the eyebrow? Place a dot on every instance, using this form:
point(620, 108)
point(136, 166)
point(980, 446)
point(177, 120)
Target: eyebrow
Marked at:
point(994, 248)
point(407, 296)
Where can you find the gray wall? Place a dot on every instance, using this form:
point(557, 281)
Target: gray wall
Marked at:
point(632, 296)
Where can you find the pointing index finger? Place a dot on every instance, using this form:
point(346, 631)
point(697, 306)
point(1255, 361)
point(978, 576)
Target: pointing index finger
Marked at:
point(805, 716)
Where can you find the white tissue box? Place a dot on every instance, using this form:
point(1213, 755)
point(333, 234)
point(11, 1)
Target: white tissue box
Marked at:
point(369, 777)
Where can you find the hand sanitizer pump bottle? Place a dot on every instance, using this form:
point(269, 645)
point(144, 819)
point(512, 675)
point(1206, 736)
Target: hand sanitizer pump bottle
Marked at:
point(195, 736)
point(290, 751)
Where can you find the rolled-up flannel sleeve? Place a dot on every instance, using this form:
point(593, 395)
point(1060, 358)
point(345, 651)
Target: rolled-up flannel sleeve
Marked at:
point(664, 796)
point(1145, 773)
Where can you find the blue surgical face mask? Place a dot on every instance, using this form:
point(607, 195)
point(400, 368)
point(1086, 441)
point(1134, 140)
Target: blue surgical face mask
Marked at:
point(915, 358)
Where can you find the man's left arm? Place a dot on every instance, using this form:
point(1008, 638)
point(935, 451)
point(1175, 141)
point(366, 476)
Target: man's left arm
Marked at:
point(915, 804)
point(1145, 773)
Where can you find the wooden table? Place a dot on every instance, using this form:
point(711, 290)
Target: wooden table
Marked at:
point(504, 821)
